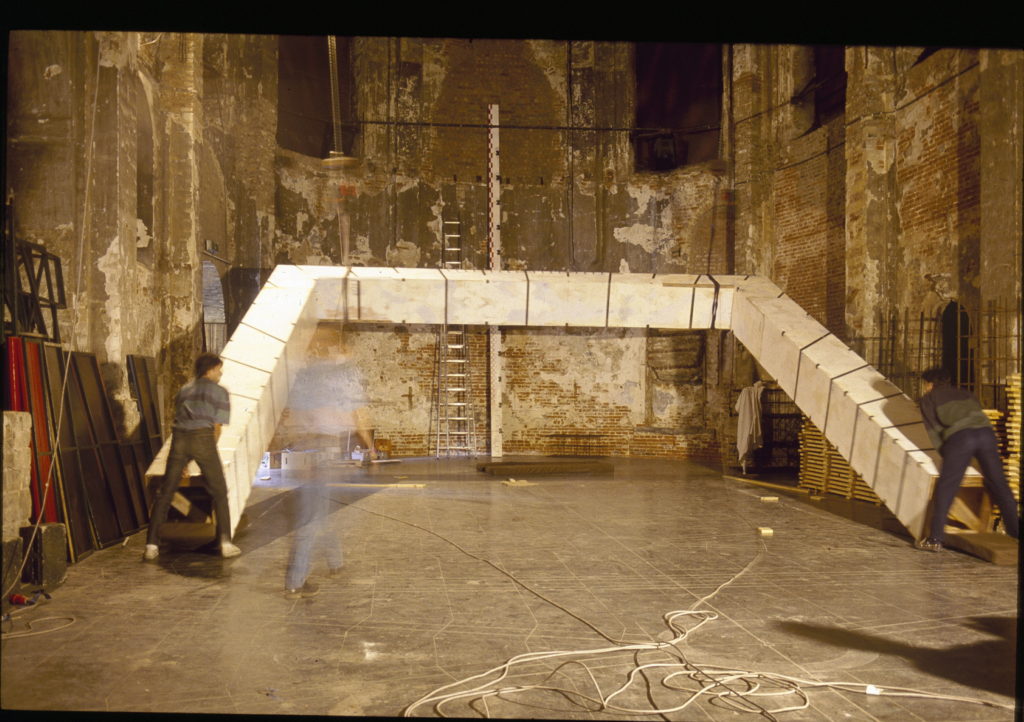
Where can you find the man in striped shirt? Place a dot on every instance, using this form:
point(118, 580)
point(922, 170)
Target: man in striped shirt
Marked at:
point(201, 408)
point(960, 431)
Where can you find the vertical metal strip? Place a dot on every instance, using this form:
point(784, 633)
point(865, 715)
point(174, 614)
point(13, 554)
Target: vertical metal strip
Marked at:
point(494, 252)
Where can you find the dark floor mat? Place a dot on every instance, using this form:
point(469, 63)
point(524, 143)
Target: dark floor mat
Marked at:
point(523, 468)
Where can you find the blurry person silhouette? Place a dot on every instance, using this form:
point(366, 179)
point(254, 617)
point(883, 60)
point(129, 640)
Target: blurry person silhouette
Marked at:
point(960, 431)
point(327, 402)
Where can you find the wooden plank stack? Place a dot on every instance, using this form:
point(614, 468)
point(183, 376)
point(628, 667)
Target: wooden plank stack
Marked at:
point(1013, 418)
point(824, 471)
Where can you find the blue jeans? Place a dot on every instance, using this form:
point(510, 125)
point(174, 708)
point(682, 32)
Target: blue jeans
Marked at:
point(313, 531)
point(957, 452)
point(198, 445)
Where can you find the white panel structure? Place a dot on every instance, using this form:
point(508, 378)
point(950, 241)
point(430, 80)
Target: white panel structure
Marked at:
point(873, 425)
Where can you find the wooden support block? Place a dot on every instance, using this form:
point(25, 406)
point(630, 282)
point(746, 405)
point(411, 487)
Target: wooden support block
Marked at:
point(963, 514)
point(999, 549)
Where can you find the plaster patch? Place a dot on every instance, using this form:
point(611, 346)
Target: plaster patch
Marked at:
point(142, 237)
point(663, 404)
point(404, 254)
point(550, 57)
point(642, 196)
point(303, 185)
point(111, 265)
point(626, 394)
point(641, 234)
point(436, 225)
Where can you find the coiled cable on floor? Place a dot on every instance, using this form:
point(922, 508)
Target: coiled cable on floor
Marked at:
point(736, 689)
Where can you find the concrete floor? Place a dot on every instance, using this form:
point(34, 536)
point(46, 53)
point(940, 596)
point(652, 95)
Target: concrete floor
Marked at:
point(422, 602)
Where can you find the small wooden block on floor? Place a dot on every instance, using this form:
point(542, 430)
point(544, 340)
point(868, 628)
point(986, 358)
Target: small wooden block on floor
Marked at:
point(523, 468)
point(999, 549)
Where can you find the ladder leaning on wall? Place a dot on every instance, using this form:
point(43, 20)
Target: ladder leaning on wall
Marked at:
point(455, 428)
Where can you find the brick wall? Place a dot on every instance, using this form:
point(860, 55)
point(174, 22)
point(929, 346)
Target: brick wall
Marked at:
point(938, 178)
point(809, 198)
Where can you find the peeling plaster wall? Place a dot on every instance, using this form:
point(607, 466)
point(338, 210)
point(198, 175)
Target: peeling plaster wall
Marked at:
point(894, 207)
point(570, 200)
point(911, 197)
point(73, 165)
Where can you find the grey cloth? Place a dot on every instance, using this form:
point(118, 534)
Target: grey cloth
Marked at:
point(748, 426)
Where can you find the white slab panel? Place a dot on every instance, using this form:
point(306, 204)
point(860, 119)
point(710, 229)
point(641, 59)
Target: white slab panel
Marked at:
point(639, 300)
point(834, 356)
point(318, 273)
point(251, 347)
point(560, 299)
point(820, 363)
point(757, 287)
point(748, 323)
point(889, 479)
point(399, 300)
point(840, 425)
point(866, 385)
point(723, 312)
point(279, 386)
point(866, 444)
point(704, 304)
point(327, 299)
point(779, 357)
point(800, 329)
point(912, 506)
point(928, 461)
point(486, 298)
point(293, 277)
point(244, 380)
point(895, 411)
point(812, 391)
point(913, 438)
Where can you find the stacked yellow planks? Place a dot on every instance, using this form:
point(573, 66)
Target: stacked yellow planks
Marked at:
point(824, 471)
point(1013, 416)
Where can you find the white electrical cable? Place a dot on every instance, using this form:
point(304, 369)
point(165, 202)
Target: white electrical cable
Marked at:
point(736, 689)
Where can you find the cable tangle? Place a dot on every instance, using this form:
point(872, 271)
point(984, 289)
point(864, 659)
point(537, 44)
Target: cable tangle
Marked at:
point(681, 681)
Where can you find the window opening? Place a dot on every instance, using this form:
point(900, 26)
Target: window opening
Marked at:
point(304, 119)
point(957, 345)
point(678, 104)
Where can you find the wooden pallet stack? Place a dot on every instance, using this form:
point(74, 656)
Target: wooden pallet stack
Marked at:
point(824, 471)
point(1013, 417)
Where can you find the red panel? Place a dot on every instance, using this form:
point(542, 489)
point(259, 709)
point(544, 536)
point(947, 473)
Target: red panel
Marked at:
point(42, 473)
point(17, 399)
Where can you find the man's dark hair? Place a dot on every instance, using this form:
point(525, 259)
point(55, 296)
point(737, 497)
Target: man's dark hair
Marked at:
point(936, 375)
point(205, 362)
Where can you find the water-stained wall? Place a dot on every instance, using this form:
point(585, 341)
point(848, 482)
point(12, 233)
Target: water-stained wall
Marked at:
point(138, 156)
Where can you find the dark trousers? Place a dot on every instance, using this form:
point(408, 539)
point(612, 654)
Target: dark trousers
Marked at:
point(186, 445)
point(957, 452)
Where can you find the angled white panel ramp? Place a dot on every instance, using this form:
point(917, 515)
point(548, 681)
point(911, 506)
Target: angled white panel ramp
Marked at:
point(877, 428)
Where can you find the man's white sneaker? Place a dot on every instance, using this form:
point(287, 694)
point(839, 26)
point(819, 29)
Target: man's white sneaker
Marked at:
point(227, 550)
point(151, 553)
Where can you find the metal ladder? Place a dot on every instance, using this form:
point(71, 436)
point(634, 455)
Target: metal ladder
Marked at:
point(456, 425)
